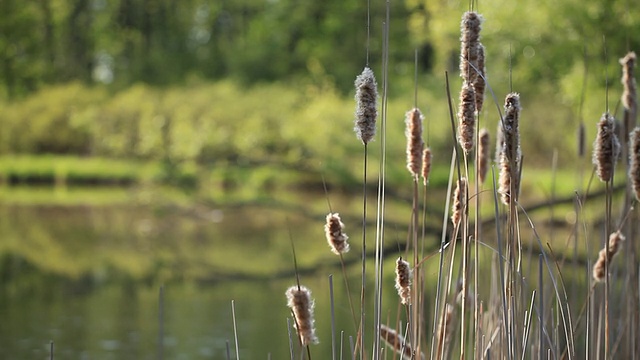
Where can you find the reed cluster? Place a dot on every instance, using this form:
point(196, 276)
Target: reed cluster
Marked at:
point(505, 312)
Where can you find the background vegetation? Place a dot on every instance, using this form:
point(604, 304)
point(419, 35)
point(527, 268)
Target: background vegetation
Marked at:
point(240, 96)
point(190, 83)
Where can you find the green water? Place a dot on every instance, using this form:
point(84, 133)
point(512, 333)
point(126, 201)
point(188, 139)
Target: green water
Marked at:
point(84, 271)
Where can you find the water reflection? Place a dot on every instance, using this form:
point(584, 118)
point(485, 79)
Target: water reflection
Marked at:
point(87, 277)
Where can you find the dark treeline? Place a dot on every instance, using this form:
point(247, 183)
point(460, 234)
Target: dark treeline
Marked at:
point(167, 78)
point(161, 42)
point(164, 42)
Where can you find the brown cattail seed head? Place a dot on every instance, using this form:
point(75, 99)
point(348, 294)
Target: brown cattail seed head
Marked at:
point(479, 81)
point(606, 148)
point(426, 165)
point(629, 95)
point(397, 342)
point(615, 240)
point(403, 280)
point(336, 237)
point(300, 302)
point(413, 133)
point(509, 159)
point(459, 201)
point(469, 38)
point(366, 102)
point(466, 117)
point(499, 142)
point(634, 161)
point(483, 154)
point(510, 128)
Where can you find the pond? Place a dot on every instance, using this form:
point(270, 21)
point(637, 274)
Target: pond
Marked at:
point(85, 273)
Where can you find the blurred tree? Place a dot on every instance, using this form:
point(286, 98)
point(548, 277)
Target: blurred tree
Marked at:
point(163, 42)
point(21, 66)
point(79, 42)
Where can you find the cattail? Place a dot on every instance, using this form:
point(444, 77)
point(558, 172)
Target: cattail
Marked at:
point(479, 80)
point(466, 117)
point(366, 111)
point(634, 161)
point(300, 302)
point(336, 237)
point(470, 36)
point(499, 142)
point(504, 178)
point(397, 342)
point(615, 240)
point(459, 201)
point(510, 149)
point(606, 148)
point(629, 95)
point(426, 165)
point(511, 124)
point(413, 133)
point(483, 155)
point(403, 280)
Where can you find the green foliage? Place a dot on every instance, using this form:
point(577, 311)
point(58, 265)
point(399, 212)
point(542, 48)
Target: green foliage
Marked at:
point(54, 120)
point(222, 125)
point(542, 40)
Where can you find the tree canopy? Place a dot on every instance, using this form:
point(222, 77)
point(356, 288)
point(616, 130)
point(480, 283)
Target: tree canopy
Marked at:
point(162, 42)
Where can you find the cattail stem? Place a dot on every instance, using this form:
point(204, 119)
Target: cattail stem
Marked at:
point(346, 283)
point(445, 328)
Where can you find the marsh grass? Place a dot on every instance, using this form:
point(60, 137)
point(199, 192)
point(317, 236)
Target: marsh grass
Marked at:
point(521, 302)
